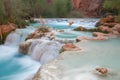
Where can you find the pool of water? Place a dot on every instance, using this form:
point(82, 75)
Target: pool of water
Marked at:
point(62, 24)
point(81, 65)
point(14, 66)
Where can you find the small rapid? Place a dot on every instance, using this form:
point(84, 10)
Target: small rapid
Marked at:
point(16, 66)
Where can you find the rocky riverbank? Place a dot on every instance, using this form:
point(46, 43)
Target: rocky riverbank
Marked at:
point(5, 30)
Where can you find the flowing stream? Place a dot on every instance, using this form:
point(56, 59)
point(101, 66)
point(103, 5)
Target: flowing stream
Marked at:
point(16, 66)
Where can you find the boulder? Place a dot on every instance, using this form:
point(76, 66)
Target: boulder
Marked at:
point(112, 24)
point(80, 28)
point(116, 28)
point(70, 47)
point(108, 19)
point(102, 70)
point(70, 23)
point(104, 29)
point(24, 46)
point(97, 34)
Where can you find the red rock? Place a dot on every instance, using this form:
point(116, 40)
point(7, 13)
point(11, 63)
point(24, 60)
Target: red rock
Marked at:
point(99, 34)
point(102, 70)
point(116, 28)
point(110, 24)
point(88, 8)
point(81, 28)
point(70, 47)
point(109, 20)
point(104, 29)
point(6, 29)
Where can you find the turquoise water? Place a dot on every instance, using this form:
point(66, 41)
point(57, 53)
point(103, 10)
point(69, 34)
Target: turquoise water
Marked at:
point(72, 34)
point(13, 65)
point(62, 24)
point(94, 54)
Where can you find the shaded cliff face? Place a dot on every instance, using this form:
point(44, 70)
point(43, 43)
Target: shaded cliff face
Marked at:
point(88, 8)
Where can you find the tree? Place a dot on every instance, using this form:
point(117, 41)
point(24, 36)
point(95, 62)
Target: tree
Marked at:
point(3, 19)
point(113, 5)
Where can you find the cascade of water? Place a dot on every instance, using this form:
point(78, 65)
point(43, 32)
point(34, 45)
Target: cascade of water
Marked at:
point(44, 50)
point(13, 39)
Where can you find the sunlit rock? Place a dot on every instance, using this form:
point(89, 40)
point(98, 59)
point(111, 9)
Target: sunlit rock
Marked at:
point(116, 28)
point(82, 38)
point(97, 34)
point(102, 70)
point(104, 21)
point(70, 47)
point(80, 28)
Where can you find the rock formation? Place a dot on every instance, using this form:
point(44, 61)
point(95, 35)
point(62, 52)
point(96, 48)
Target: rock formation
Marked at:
point(6, 29)
point(88, 8)
point(70, 47)
point(40, 50)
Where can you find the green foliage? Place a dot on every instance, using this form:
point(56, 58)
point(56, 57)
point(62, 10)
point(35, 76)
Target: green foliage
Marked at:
point(11, 11)
point(61, 50)
point(117, 18)
point(112, 6)
point(3, 19)
point(3, 38)
point(62, 8)
point(43, 29)
point(76, 14)
point(21, 23)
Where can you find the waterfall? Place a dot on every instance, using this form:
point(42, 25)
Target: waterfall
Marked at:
point(13, 38)
point(42, 50)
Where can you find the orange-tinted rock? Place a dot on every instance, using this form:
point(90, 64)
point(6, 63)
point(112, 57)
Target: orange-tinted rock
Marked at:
point(116, 28)
point(102, 70)
point(70, 47)
point(88, 8)
point(6, 29)
point(80, 28)
point(70, 23)
point(104, 21)
point(104, 29)
point(110, 24)
point(99, 34)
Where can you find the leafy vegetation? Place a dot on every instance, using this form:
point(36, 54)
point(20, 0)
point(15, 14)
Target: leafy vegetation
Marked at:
point(113, 7)
point(17, 11)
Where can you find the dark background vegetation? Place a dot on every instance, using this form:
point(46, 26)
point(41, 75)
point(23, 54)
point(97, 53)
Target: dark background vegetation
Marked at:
point(17, 11)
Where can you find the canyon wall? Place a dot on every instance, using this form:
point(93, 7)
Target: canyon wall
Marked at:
point(88, 8)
